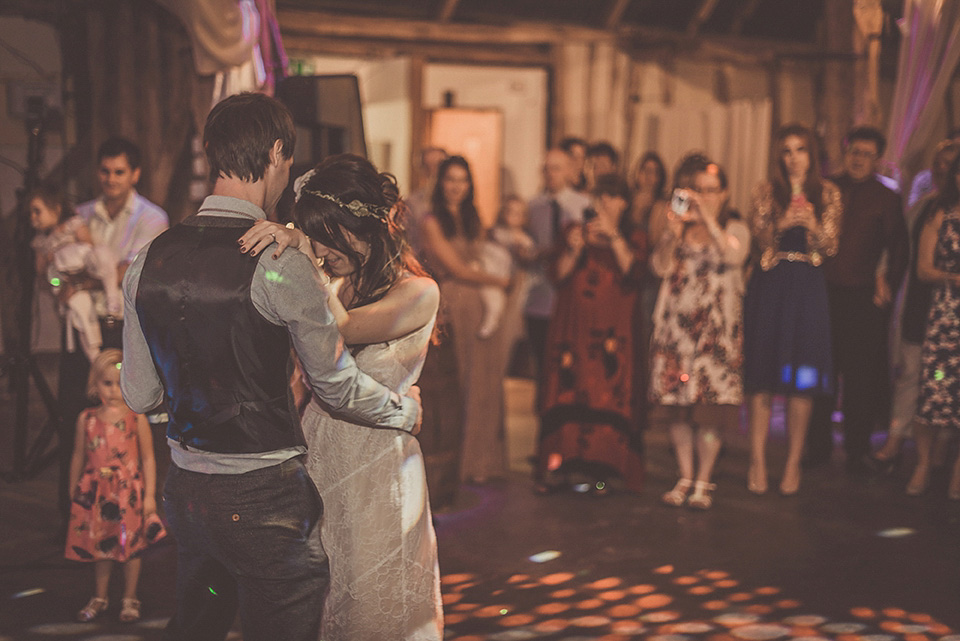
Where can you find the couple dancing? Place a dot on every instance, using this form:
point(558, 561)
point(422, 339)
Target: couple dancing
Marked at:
point(215, 308)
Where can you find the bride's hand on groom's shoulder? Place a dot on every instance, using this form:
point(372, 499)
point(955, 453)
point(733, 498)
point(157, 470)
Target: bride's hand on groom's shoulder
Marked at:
point(265, 233)
point(414, 393)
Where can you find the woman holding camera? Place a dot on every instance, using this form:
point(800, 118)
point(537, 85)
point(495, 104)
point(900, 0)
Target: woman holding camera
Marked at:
point(590, 430)
point(695, 354)
point(796, 221)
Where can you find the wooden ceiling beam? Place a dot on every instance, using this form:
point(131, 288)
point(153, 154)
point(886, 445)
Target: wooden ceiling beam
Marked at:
point(322, 24)
point(746, 12)
point(703, 14)
point(515, 55)
point(447, 10)
point(616, 13)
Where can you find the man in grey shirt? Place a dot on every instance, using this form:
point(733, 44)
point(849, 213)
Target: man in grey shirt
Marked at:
point(208, 331)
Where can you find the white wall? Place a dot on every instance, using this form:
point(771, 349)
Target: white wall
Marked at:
point(520, 93)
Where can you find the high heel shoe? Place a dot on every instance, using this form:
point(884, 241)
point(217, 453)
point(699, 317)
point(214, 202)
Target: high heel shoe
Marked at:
point(918, 485)
point(678, 495)
point(790, 484)
point(756, 482)
point(702, 499)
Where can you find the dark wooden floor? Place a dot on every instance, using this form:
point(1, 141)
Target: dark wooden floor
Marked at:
point(850, 558)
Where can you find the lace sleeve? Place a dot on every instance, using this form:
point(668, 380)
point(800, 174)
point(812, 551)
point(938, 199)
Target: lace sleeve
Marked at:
point(761, 223)
point(827, 237)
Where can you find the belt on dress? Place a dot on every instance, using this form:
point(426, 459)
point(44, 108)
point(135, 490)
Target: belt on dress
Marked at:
point(771, 258)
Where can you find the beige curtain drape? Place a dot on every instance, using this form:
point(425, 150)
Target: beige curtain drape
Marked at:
point(639, 106)
point(929, 53)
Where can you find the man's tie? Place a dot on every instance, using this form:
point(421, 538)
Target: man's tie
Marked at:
point(555, 220)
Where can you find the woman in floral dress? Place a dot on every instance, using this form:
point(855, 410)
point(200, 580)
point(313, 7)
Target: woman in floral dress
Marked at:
point(938, 262)
point(695, 380)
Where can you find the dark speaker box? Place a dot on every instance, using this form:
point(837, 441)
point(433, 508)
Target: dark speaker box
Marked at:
point(326, 112)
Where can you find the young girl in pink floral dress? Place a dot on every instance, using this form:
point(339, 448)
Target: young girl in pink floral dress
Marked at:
point(113, 473)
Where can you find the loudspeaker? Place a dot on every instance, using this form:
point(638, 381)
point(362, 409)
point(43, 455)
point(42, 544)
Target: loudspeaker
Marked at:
point(327, 115)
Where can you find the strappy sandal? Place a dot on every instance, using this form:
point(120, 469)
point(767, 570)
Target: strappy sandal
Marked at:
point(129, 610)
point(678, 495)
point(94, 608)
point(702, 499)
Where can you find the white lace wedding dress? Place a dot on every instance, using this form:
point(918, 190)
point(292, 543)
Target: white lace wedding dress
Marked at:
point(376, 527)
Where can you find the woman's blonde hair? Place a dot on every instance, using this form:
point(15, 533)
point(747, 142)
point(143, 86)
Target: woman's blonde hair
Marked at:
point(108, 358)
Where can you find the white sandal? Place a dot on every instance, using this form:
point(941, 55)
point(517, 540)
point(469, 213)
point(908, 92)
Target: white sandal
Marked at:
point(94, 608)
point(701, 499)
point(678, 495)
point(129, 610)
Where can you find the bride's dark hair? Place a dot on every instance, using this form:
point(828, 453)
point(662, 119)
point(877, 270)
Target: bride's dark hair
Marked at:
point(348, 178)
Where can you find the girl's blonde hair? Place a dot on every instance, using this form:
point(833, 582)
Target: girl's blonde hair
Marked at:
point(108, 358)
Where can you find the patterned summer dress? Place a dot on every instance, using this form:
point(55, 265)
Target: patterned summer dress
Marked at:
point(695, 354)
point(106, 515)
point(940, 377)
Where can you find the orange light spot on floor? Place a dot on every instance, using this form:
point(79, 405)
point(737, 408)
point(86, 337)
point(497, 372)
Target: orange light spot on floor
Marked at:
point(767, 591)
point(556, 578)
point(604, 584)
point(740, 597)
point(686, 580)
point(891, 626)
point(627, 627)
point(589, 604)
point(623, 611)
point(939, 629)
point(496, 592)
point(664, 569)
point(614, 637)
point(800, 631)
point(714, 605)
point(566, 593)
point(452, 618)
point(915, 637)
point(654, 601)
point(465, 607)
point(894, 613)
point(700, 590)
point(721, 637)
point(469, 637)
point(727, 583)
point(527, 586)
point(552, 608)
point(554, 461)
point(490, 611)
point(518, 578)
point(451, 597)
point(714, 575)
point(645, 588)
point(450, 579)
point(464, 586)
point(919, 617)
point(612, 595)
point(552, 625)
point(517, 620)
point(848, 637)
point(788, 604)
point(863, 613)
point(758, 609)
point(662, 616)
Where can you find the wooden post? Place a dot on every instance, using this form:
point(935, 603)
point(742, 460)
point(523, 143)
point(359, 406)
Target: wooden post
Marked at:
point(835, 104)
point(869, 20)
point(418, 119)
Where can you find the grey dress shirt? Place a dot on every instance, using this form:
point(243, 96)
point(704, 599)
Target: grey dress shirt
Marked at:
point(287, 292)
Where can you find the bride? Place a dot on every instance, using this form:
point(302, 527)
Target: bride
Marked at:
point(377, 528)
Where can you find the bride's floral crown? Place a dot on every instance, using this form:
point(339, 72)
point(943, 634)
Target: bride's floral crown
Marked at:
point(355, 207)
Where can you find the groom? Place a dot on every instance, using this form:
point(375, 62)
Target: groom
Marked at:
point(209, 330)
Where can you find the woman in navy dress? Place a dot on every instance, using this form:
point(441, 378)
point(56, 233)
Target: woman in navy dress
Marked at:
point(795, 219)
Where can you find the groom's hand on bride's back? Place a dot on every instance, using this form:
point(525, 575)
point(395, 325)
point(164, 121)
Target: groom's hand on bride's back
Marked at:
point(414, 393)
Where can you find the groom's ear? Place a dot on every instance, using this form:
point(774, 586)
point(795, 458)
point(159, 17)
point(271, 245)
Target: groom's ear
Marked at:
point(276, 152)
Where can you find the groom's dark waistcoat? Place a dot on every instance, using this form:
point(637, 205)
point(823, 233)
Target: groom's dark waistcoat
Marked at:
point(223, 366)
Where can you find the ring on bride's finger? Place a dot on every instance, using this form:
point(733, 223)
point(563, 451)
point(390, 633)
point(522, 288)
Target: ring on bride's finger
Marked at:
point(273, 235)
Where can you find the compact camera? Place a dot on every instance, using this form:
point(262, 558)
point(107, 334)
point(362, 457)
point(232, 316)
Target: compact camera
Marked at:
point(681, 201)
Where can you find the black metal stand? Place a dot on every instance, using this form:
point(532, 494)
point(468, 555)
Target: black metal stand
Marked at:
point(29, 458)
